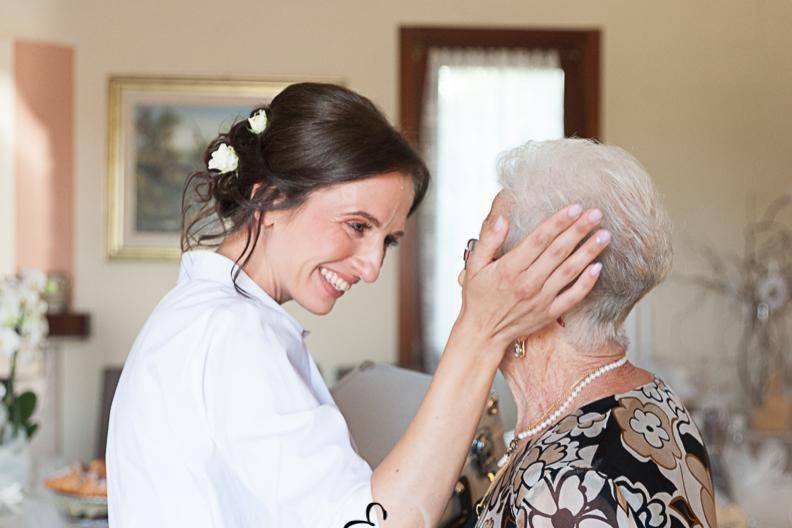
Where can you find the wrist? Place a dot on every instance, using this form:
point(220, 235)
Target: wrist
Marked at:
point(473, 328)
point(479, 348)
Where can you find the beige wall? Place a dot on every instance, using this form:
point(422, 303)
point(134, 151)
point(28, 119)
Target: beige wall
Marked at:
point(699, 91)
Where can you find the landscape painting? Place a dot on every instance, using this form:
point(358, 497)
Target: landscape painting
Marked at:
point(170, 142)
point(158, 129)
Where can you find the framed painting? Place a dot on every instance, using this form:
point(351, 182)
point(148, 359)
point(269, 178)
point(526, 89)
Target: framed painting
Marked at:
point(157, 131)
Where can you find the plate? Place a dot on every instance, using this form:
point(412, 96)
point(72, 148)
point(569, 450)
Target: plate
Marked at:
point(80, 506)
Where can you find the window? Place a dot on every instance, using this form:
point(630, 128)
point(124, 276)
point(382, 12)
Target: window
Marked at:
point(467, 95)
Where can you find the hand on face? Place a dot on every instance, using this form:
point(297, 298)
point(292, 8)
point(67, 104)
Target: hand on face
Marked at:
point(521, 292)
point(338, 237)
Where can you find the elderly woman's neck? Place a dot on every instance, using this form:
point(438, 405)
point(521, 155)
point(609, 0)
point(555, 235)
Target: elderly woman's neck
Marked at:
point(551, 368)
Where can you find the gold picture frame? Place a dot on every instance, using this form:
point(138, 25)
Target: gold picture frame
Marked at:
point(157, 127)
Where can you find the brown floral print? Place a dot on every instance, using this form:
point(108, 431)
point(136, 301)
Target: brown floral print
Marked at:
point(618, 462)
point(646, 429)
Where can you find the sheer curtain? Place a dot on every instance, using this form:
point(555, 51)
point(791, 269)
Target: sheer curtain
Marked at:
point(478, 103)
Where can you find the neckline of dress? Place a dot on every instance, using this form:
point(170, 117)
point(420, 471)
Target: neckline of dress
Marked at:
point(616, 396)
point(585, 407)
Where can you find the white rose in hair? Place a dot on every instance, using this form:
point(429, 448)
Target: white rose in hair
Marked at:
point(258, 122)
point(224, 159)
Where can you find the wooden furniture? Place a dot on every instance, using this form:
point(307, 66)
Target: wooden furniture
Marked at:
point(69, 325)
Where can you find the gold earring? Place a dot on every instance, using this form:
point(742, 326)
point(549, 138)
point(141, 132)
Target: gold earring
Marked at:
point(519, 348)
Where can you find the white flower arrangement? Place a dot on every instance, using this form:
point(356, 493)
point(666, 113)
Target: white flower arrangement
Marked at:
point(258, 122)
point(10, 341)
point(23, 330)
point(224, 159)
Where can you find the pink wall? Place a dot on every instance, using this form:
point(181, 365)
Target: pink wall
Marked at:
point(44, 164)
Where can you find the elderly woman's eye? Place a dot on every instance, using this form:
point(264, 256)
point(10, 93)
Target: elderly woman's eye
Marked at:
point(391, 241)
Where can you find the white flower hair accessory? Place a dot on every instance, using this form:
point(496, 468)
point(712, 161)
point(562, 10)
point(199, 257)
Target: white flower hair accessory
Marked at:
point(258, 121)
point(224, 159)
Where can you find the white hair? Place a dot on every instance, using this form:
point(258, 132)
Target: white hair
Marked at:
point(541, 177)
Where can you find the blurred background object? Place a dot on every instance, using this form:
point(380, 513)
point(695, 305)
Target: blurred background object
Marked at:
point(23, 333)
point(757, 285)
point(57, 293)
point(379, 401)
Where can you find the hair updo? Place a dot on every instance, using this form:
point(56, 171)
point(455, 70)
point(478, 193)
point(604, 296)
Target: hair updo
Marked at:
point(317, 135)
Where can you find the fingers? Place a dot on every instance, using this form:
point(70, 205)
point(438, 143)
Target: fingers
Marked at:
point(556, 254)
point(492, 237)
point(571, 267)
point(529, 249)
point(571, 297)
point(536, 312)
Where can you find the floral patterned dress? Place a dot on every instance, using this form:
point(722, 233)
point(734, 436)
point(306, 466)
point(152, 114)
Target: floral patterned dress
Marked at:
point(630, 460)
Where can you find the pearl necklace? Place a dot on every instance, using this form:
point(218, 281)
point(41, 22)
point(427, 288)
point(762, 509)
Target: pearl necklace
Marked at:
point(578, 388)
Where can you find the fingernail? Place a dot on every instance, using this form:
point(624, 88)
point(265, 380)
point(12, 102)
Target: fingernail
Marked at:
point(499, 223)
point(575, 210)
point(595, 215)
point(603, 238)
point(595, 269)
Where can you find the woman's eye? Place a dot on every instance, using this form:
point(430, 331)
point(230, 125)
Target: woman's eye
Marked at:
point(358, 227)
point(391, 242)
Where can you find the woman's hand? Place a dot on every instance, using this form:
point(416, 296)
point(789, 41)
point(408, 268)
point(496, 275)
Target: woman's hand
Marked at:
point(521, 292)
point(503, 300)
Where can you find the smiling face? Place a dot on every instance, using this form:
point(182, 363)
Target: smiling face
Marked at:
point(316, 252)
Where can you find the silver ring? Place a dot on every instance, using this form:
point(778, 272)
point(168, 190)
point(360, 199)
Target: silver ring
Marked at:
point(471, 245)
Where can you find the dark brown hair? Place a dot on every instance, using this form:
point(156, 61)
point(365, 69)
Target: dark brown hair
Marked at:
point(317, 135)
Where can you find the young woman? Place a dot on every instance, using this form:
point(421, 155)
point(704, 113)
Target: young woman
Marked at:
point(221, 418)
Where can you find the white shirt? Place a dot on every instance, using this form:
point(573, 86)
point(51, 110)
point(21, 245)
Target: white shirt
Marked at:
point(221, 418)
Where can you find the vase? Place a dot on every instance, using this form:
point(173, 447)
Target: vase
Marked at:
point(15, 471)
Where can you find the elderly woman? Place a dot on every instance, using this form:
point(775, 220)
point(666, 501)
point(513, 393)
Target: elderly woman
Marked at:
point(598, 441)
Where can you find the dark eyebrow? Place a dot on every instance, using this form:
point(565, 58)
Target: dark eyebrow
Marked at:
point(374, 221)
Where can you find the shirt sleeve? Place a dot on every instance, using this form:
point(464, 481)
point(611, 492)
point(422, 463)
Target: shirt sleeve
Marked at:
point(283, 447)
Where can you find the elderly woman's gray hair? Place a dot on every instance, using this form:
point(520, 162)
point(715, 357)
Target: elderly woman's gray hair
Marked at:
point(541, 177)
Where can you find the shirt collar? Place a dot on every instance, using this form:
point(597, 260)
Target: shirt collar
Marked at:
point(210, 265)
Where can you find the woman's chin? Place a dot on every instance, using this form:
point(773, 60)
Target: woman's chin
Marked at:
point(323, 310)
point(317, 304)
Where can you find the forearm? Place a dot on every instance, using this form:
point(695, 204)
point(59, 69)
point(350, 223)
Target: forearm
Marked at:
point(414, 482)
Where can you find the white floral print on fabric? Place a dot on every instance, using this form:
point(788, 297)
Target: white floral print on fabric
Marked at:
point(649, 425)
point(569, 498)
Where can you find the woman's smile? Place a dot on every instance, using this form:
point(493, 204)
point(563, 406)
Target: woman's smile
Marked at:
point(334, 283)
